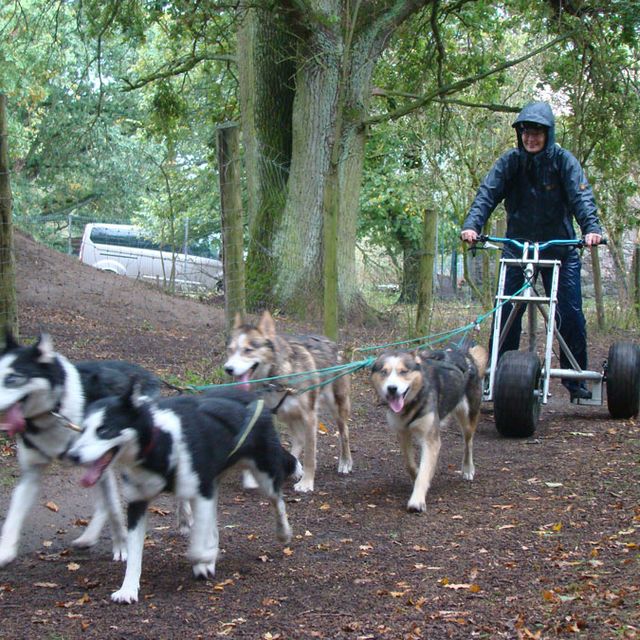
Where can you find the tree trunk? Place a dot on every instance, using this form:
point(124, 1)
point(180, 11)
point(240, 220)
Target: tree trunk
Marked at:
point(266, 68)
point(411, 275)
point(231, 216)
point(616, 251)
point(427, 260)
point(636, 278)
point(8, 301)
point(318, 99)
point(334, 64)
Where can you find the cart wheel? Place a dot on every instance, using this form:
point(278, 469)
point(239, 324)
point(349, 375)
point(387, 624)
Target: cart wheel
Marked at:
point(623, 380)
point(517, 397)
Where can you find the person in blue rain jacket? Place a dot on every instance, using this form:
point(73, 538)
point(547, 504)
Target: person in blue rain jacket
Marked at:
point(544, 189)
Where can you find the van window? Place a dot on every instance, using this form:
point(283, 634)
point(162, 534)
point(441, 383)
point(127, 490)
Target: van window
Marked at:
point(127, 250)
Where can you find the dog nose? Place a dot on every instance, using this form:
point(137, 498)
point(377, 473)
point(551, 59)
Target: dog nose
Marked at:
point(392, 389)
point(228, 371)
point(73, 457)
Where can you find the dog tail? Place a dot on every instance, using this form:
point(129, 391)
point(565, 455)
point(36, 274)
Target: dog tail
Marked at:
point(480, 357)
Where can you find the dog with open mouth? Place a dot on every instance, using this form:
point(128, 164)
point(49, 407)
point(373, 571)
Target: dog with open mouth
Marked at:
point(43, 397)
point(421, 391)
point(297, 390)
point(182, 445)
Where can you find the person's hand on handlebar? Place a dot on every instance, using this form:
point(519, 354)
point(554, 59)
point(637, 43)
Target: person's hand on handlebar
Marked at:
point(591, 239)
point(469, 235)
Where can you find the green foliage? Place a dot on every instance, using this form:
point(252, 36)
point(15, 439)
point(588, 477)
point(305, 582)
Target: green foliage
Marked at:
point(82, 146)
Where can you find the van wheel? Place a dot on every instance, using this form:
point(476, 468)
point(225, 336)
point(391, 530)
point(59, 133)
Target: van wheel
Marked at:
point(623, 380)
point(517, 396)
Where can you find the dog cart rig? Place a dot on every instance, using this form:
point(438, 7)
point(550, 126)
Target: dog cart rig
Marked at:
point(518, 384)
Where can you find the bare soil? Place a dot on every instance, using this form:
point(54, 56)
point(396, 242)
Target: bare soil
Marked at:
point(543, 544)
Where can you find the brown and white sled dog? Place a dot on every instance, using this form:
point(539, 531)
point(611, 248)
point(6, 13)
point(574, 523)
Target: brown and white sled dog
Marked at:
point(423, 389)
point(255, 352)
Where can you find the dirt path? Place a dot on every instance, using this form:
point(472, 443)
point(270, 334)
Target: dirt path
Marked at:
point(543, 544)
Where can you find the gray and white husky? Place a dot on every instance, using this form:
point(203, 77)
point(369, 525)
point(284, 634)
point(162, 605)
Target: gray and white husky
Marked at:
point(258, 351)
point(42, 396)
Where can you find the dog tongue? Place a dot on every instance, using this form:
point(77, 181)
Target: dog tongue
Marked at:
point(13, 420)
point(396, 403)
point(244, 378)
point(95, 471)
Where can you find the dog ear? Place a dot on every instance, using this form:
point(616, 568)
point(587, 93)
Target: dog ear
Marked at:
point(44, 349)
point(416, 356)
point(9, 341)
point(267, 326)
point(134, 395)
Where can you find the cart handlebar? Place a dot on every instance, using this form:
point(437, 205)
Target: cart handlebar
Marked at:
point(573, 242)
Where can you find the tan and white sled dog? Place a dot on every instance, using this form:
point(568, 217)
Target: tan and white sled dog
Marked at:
point(421, 390)
point(258, 352)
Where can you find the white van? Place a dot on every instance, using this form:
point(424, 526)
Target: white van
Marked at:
point(124, 249)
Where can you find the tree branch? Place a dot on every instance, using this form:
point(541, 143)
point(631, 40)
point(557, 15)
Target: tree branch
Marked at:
point(175, 68)
point(460, 85)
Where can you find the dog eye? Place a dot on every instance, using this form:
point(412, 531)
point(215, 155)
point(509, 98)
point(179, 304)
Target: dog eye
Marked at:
point(13, 380)
point(102, 430)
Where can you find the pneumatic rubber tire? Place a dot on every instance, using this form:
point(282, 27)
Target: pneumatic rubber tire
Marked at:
point(517, 397)
point(623, 380)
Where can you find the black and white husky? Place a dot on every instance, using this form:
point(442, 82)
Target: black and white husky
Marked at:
point(183, 445)
point(42, 397)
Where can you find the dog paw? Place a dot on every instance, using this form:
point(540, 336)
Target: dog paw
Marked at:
point(7, 556)
point(417, 506)
point(119, 553)
point(284, 534)
point(84, 541)
point(345, 466)
point(125, 596)
point(248, 481)
point(467, 474)
point(304, 486)
point(204, 571)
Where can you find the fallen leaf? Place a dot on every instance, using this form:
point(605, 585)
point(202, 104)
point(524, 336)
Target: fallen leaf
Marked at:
point(325, 506)
point(287, 551)
point(322, 428)
point(456, 587)
point(73, 566)
point(52, 506)
point(46, 585)
point(221, 585)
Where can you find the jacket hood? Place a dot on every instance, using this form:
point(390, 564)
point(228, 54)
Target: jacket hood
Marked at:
point(540, 113)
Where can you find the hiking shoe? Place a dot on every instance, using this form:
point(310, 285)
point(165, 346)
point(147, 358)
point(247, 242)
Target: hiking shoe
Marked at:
point(580, 393)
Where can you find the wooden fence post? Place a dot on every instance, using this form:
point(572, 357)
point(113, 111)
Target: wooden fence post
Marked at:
point(8, 300)
point(231, 222)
